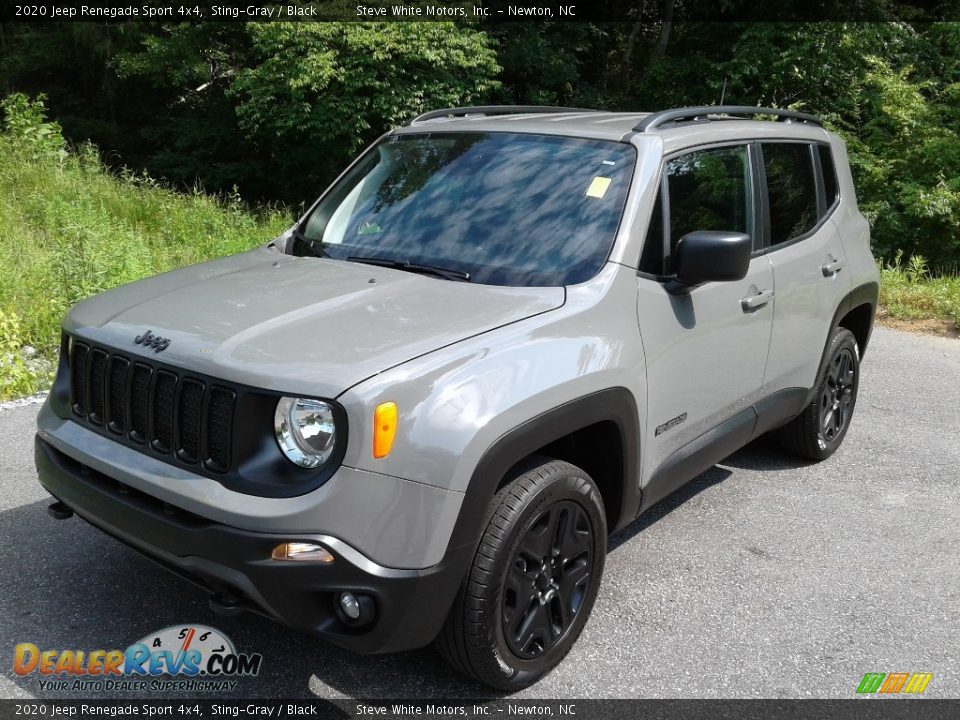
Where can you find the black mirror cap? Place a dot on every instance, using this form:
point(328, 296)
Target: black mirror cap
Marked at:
point(712, 256)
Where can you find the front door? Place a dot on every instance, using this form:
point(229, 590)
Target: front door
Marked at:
point(706, 351)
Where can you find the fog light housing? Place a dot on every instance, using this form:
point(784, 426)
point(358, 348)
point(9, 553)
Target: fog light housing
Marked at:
point(354, 609)
point(350, 605)
point(301, 552)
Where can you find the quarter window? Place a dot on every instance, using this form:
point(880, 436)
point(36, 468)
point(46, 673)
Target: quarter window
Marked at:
point(792, 190)
point(829, 175)
point(651, 260)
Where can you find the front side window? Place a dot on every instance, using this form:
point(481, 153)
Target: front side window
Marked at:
point(791, 189)
point(507, 209)
point(708, 190)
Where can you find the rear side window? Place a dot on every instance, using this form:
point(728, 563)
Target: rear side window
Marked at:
point(829, 175)
point(791, 189)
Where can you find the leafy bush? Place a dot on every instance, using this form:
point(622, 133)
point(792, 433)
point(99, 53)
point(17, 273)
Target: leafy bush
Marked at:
point(17, 377)
point(24, 123)
point(281, 108)
point(909, 291)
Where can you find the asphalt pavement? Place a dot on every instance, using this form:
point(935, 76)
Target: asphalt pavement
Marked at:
point(764, 577)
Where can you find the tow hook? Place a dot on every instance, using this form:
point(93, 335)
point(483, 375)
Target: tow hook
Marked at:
point(59, 511)
point(226, 604)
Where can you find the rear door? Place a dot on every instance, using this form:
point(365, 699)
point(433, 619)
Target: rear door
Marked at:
point(809, 262)
point(706, 350)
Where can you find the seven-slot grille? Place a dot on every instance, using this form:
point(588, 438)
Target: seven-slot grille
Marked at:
point(153, 407)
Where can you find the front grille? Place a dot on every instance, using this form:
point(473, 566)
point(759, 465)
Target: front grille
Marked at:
point(163, 412)
point(219, 429)
point(165, 387)
point(140, 402)
point(188, 419)
point(118, 394)
point(98, 376)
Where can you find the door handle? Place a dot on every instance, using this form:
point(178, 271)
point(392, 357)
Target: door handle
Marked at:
point(832, 268)
point(755, 302)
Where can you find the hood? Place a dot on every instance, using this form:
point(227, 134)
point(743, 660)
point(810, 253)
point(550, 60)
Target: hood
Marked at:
point(310, 325)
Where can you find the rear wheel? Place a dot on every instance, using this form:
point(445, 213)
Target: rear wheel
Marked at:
point(818, 431)
point(533, 580)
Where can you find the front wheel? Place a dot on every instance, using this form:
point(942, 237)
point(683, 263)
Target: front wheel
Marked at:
point(818, 431)
point(533, 580)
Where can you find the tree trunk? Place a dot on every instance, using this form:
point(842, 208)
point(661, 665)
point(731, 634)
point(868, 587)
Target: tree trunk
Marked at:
point(628, 56)
point(665, 29)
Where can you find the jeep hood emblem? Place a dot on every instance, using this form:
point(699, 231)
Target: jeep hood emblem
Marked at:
point(148, 339)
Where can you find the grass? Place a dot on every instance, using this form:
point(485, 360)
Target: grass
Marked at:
point(70, 229)
point(908, 292)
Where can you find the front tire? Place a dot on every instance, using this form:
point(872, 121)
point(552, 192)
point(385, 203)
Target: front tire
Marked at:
point(818, 431)
point(533, 580)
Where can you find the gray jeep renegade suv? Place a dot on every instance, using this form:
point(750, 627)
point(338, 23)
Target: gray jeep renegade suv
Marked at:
point(500, 335)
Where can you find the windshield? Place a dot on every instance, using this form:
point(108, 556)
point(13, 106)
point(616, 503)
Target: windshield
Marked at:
point(500, 208)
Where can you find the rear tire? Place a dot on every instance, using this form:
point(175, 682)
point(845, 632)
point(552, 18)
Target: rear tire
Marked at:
point(533, 580)
point(819, 430)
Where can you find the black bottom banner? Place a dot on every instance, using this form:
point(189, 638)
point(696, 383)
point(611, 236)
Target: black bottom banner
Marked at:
point(907, 709)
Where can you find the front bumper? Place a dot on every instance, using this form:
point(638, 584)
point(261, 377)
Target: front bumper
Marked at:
point(411, 605)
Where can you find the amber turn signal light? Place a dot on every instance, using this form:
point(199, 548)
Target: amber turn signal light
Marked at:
point(384, 428)
point(301, 552)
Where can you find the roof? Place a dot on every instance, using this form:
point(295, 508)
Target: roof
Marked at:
point(618, 126)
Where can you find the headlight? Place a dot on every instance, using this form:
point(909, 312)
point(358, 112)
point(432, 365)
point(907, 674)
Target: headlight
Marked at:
point(306, 431)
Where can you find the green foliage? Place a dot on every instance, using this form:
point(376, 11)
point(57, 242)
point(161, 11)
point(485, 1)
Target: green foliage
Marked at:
point(280, 108)
point(70, 229)
point(342, 84)
point(553, 63)
point(24, 123)
point(337, 82)
point(890, 89)
point(909, 291)
point(16, 376)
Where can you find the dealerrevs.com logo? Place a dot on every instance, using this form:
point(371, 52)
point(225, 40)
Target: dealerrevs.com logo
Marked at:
point(182, 657)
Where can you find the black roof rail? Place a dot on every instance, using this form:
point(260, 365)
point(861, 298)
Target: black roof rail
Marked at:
point(655, 120)
point(492, 110)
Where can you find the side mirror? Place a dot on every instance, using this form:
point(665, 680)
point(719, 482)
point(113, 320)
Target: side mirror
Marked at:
point(710, 255)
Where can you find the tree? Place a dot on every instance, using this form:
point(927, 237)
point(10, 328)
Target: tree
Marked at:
point(313, 93)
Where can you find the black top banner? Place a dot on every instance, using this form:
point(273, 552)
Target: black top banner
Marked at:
point(481, 11)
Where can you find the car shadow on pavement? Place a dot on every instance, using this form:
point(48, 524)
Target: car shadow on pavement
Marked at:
point(711, 477)
point(765, 454)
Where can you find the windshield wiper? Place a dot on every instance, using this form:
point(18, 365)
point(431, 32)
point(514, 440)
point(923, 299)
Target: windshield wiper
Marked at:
point(435, 270)
point(315, 248)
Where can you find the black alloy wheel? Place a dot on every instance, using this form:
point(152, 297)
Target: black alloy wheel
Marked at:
point(548, 578)
point(819, 429)
point(836, 395)
point(534, 577)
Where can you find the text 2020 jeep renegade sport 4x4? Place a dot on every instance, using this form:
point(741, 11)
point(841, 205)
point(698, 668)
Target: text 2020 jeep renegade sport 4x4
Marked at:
point(500, 335)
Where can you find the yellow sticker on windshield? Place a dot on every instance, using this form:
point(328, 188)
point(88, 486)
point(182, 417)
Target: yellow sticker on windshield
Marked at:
point(598, 187)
